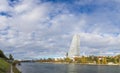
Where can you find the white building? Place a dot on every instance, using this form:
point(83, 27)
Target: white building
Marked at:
point(74, 50)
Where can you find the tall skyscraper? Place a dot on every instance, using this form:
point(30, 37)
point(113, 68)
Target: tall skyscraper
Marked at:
point(74, 50)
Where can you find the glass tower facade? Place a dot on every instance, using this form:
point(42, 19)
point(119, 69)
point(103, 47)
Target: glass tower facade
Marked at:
point(74, 50)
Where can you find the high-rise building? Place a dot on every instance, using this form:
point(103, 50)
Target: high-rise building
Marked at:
point(74, 50)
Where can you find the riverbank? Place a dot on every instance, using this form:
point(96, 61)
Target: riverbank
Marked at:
point(15, 70)
point(81, 63)
point(5, 67)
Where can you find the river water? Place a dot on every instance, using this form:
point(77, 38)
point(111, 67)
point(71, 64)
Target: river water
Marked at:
point(66, 68)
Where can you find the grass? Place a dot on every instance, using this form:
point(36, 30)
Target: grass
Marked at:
point(4, 66)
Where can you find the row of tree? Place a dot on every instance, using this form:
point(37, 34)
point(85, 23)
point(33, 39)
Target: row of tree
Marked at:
point(86, 60)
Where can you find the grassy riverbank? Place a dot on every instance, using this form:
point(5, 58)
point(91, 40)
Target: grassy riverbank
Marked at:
point(4, 66)
point(15, 70)
point(6, 63)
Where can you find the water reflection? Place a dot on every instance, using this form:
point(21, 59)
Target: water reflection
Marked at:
point(108, 69)
point(71, 68)
point(66, 68)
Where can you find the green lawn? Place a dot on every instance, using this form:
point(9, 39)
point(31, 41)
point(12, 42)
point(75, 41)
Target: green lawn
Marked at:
point(4, 66)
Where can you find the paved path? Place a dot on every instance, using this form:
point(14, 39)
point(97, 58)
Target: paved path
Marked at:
point(11, 70)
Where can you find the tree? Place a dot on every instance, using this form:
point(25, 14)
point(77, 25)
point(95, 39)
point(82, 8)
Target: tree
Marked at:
point(68, 60)
point(83, 60)
point(118, 59)
point(98, 61)
point(77, 59)
point(2, 55)
point(104, 60)
point(11, 57)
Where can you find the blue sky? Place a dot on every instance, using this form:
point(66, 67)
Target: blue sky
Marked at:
point(32, 29)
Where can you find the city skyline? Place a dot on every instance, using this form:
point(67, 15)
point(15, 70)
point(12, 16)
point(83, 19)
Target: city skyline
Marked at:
point(33, 29)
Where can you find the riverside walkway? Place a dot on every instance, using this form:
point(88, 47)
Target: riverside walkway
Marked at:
point(11, 69)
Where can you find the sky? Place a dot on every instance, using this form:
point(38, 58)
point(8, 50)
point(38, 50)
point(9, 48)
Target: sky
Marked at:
point(33, 29)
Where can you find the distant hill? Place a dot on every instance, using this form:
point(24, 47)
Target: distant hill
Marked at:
point(2, 55)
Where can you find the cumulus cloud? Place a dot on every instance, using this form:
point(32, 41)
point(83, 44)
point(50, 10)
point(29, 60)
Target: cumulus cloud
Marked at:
point(39, 28)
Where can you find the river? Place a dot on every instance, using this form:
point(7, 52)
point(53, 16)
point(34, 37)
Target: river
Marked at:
point(66, 68)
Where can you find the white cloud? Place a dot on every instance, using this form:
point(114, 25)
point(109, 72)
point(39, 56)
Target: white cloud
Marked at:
point(47, 28)
point(100, 41)
point(4, 6)
point(3, 22)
